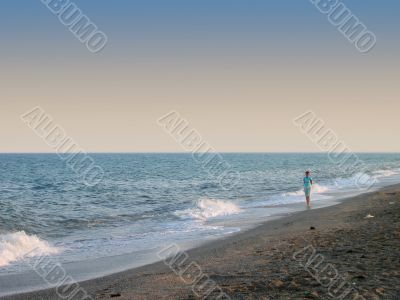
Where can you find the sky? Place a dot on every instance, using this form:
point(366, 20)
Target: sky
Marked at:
point(238, 71)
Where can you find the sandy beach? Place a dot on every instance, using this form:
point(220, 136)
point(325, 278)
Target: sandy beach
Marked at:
point(270, 261)
point(170, 150)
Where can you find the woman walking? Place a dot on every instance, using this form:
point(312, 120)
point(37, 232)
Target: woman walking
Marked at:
point(308, 182)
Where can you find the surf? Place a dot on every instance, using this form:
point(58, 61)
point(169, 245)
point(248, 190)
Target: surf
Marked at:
point(17, 246)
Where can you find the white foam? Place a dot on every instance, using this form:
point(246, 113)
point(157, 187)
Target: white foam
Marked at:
point(356, 181)
point(18, 245)
point(210, 208)
point(319, 189)
point(384, 173)
point(294, 194)
point(316, 189)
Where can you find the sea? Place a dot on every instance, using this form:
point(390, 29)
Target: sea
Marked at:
point(147, 201)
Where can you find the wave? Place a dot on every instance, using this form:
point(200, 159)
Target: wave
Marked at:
point(384, 173)
point(210, 208)
point(363, 180)
point(358, 180)
point(355, 181)
point(19, 245)
point(315, 189)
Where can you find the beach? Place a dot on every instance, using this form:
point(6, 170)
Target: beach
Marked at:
point(170, 150)
point(359, 238)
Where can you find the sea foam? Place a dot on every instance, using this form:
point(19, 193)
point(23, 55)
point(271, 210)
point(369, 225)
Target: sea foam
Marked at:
point(316, 188)
point(210, 208)
point(19, 245)
point(384, 173)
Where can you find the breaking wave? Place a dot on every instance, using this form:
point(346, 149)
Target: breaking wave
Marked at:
point(210, 208)
point(19, 245)
point(315, 189)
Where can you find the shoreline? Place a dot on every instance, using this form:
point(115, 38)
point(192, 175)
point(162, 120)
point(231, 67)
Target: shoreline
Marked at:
point(234, 254)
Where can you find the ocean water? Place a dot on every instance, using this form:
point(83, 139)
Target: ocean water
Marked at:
point(147, 201)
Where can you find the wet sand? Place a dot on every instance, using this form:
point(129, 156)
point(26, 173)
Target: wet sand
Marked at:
point(314, 254)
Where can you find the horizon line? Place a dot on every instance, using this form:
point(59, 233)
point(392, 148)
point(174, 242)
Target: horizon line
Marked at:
point(189, 152)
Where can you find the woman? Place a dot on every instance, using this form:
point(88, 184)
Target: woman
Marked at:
point(308, 182)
